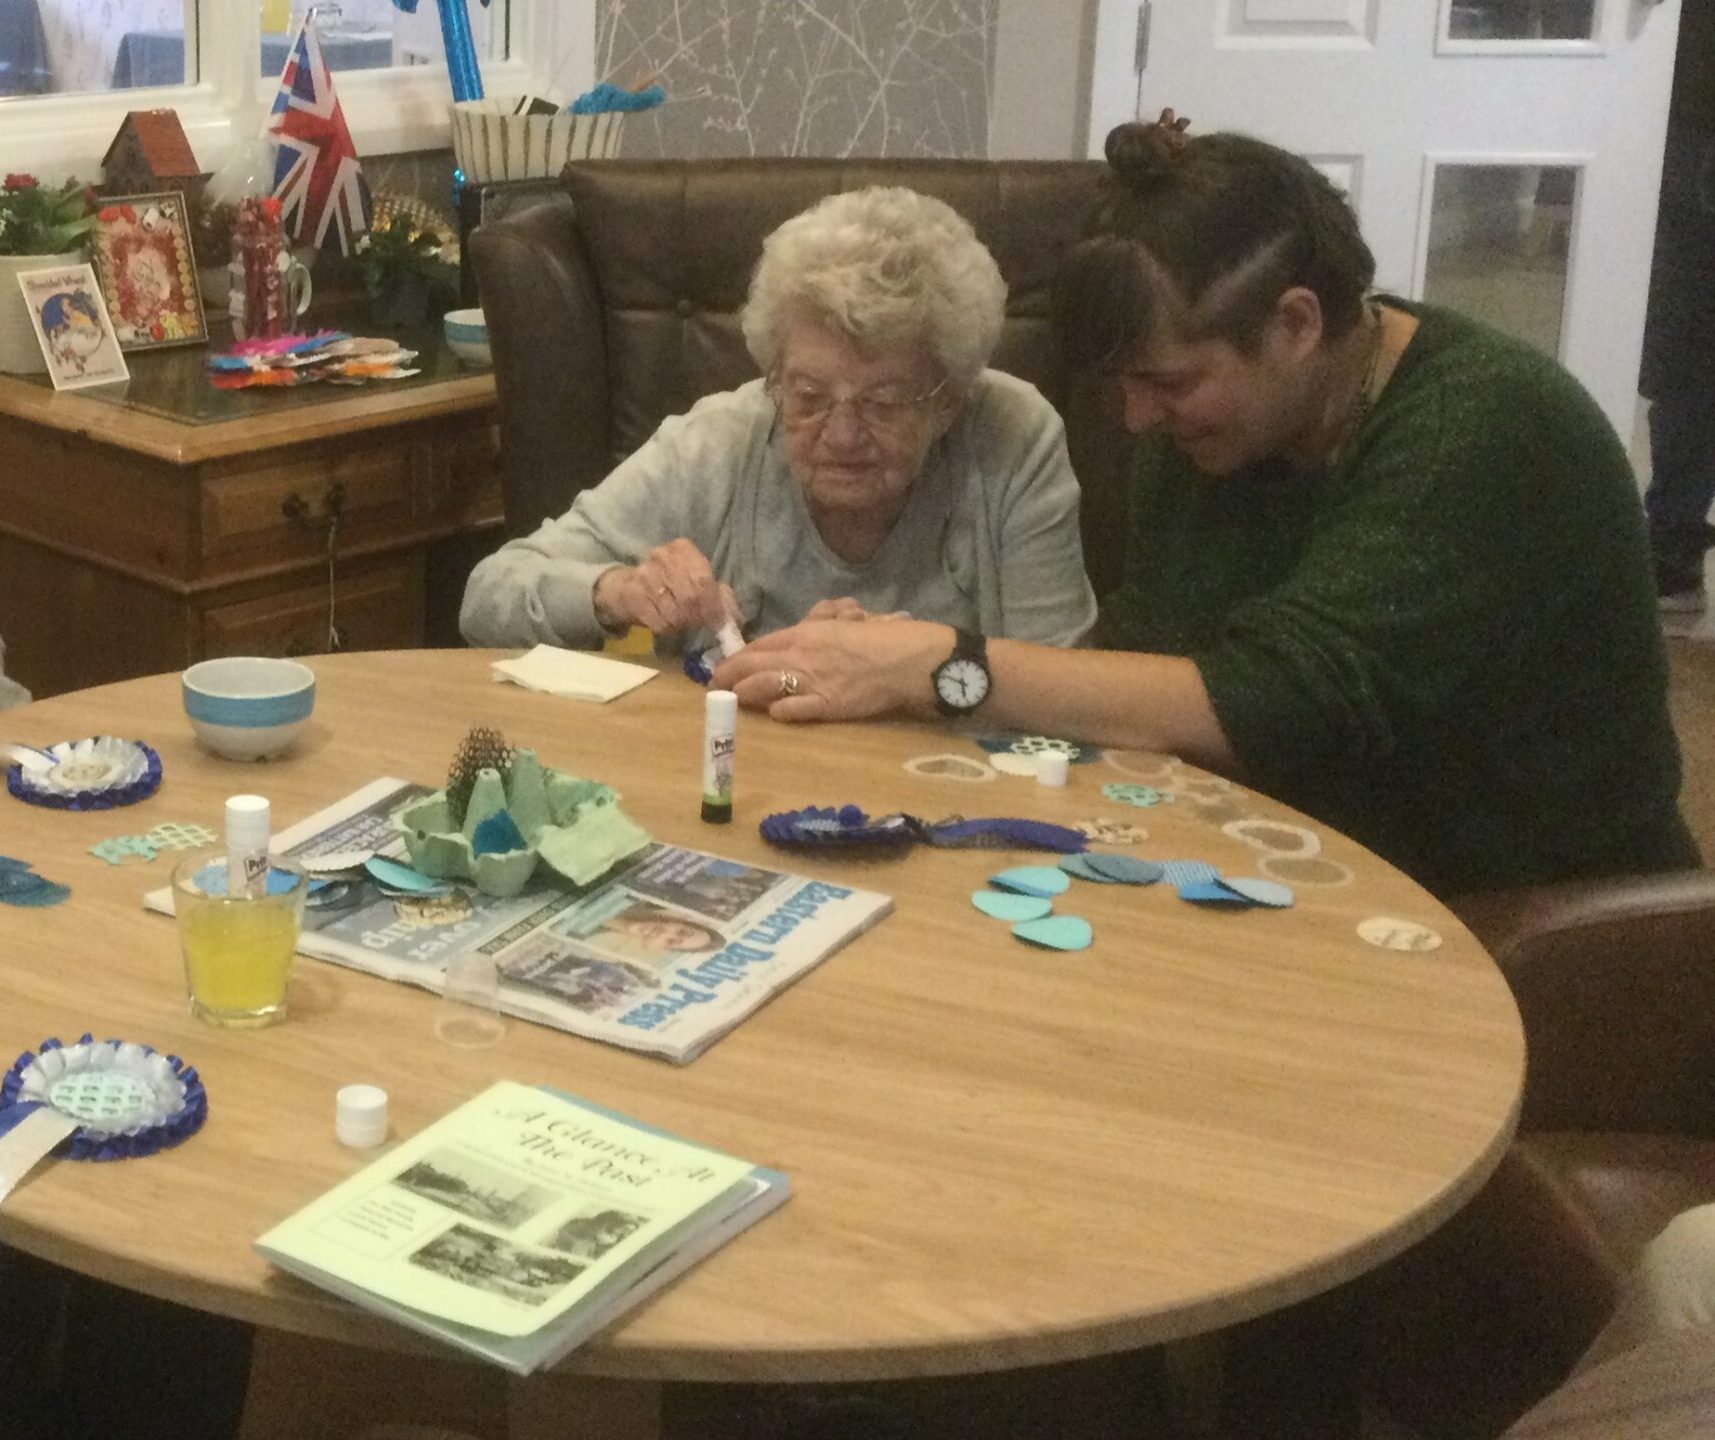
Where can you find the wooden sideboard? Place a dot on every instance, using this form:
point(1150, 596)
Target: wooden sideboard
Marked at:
point(149, 525)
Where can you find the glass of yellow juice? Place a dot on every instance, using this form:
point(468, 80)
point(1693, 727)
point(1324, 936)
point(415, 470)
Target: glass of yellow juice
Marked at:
point(238, 949)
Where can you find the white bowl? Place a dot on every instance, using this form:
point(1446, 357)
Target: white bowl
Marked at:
point(467, 336)
point(248, 707)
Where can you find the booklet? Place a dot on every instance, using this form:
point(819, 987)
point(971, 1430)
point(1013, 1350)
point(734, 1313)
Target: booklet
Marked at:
point(522, 1223)
point(665, 953)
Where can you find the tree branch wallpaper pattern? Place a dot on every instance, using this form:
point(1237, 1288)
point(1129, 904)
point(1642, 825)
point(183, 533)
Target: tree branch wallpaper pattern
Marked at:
point(803, 77)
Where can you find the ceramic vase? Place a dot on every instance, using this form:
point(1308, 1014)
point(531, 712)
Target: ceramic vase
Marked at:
point(20, 351)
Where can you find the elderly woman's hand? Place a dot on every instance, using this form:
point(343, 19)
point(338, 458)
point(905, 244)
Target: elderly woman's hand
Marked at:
point(830, 670)
point(671, 590)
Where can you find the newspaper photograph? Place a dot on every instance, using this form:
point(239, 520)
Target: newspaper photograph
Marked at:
point(665, 953)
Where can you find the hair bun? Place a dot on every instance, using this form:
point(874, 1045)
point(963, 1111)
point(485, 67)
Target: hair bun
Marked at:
point(1143, 155)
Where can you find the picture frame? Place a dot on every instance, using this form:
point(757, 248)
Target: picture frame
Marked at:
point(141, 247)
point(72, 326)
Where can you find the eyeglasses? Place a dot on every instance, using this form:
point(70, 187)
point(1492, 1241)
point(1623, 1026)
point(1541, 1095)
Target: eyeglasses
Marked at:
point(884, 413)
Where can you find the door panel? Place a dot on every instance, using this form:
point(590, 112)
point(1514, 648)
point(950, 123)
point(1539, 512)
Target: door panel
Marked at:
point(1382, 97)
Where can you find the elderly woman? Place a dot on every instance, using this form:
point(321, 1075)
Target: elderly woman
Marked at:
point(1386, 563)
point(877, 468)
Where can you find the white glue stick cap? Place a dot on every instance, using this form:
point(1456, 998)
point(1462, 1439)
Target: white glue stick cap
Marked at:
point(247, 823)
point(721, 708)
point(360, 1116)
point(1051, 768)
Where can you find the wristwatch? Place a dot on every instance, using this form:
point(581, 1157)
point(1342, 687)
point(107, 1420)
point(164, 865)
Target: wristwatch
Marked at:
point(962, 679)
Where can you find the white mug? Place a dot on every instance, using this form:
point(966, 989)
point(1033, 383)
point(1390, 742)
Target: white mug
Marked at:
point(294, 286)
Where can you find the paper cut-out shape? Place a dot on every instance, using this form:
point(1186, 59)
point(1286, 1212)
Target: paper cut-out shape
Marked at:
point(1144, 764)
point(1126, 870)
point(1032, 880)
point(1110, 832)
point(1387, 933)
point(1056, 932)
point(1080, 866)
point(1274, 836)
point(1180, 873)
point(998, 905)
point(1270, 894)
point(1141, 796)
point(1008, 763)
point(117, 849)
point(174, 835)
point(395, 876)
point(950, 767)
point(1305, 870)
point(1212, 892)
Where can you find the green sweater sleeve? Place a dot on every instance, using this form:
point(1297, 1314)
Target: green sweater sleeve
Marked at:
point(1445, 644)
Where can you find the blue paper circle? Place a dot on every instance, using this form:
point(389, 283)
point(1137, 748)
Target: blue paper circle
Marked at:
point(1124, 870)
point(1043, 880)
point(1000, 905)
point(1056, 932)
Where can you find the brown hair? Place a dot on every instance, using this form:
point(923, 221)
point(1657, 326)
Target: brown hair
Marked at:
point(1205, 233)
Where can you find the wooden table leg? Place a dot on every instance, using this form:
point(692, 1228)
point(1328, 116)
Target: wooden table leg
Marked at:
point(571, 1407)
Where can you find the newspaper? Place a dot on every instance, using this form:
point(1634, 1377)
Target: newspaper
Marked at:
point(664, 954)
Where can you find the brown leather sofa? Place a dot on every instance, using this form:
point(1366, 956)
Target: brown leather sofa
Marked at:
point(620, 307)
point(1615, 982)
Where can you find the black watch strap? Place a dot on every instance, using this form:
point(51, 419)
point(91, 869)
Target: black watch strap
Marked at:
point(967, 645)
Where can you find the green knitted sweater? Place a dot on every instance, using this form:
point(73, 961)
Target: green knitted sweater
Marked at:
point(1445, 643)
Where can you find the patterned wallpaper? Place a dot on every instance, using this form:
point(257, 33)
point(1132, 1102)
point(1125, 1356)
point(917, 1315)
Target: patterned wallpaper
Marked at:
point(804, 77)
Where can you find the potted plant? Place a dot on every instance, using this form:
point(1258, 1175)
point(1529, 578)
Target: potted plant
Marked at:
point(409, 263)
point(39, 228)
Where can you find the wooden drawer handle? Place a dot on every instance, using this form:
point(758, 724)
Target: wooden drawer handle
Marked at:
point(298, 512)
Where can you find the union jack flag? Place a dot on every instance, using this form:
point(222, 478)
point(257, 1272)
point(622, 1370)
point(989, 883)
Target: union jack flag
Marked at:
point(317, 176)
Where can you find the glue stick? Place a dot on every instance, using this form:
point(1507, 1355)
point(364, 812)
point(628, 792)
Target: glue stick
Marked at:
point(247, 826)
point(720, 726)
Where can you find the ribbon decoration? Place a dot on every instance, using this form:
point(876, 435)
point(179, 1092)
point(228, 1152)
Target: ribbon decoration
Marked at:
point(456, 41)
point(849, 826)
point(112, 1100)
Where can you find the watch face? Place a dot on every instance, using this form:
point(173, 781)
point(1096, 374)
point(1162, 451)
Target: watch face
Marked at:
point(962, 684)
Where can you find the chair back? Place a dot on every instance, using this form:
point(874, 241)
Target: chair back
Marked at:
point(620, 307)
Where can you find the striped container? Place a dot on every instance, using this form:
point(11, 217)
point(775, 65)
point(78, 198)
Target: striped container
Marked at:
point(493, 140)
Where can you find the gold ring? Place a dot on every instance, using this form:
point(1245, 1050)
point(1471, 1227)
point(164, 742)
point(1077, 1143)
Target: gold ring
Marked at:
point(788, 684)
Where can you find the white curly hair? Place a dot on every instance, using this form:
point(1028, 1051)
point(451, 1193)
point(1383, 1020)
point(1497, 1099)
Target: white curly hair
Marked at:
point(882, 266)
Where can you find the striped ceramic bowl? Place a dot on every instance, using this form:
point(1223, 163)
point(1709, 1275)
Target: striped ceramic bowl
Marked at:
point(467, 336)
point(248, 707)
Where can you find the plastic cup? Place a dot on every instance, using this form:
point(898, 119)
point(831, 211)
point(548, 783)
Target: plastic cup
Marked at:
point(238, 949)
point(469, 1015)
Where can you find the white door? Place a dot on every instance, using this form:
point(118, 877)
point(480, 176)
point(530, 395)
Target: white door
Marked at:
point(1504, 156)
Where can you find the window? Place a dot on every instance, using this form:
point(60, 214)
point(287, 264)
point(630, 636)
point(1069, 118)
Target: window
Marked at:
point(69, 70)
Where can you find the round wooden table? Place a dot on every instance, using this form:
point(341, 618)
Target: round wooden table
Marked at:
point(1000, 1156)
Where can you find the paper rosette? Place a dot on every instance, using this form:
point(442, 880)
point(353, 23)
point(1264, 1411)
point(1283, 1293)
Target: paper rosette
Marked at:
point(129, 1100)
point(96, 773)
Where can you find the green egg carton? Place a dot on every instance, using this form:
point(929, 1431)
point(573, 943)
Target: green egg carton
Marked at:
point(574, 825)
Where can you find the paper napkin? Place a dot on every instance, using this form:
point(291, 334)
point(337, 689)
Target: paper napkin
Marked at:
point(572, 673)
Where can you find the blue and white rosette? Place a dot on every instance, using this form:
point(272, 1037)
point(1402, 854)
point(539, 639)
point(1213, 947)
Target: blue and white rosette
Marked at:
point(99, 772)
point(110, 1099)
